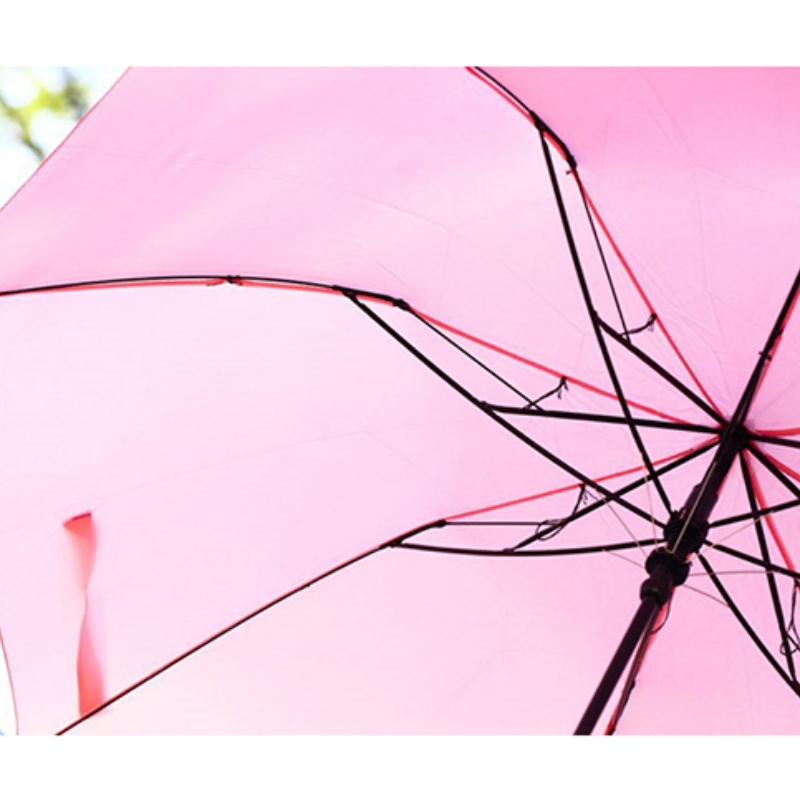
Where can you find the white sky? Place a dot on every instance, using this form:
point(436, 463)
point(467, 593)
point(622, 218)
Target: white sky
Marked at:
point(17, 162)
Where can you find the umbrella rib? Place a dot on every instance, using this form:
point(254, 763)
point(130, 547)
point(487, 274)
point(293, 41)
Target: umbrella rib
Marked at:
point(767, 354)
point(594, 214)
point(757, 514)
point(571, 380)
point(792, 645)
point(746, 557)
point(393, 542)
point(626, 332)
point(777, 440)
point(593, 316)
point(746, 625)
point(662, 372)
point(765, 555)
point(217, 279)
point(202, 279)
point(502, 422)
point(774, 470)
point(471, 357)
point(529, 113)
point(604, 418)
point(397, 542)
point(508, 553)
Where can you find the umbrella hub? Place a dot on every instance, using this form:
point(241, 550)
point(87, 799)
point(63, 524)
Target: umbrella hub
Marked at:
point(685, 534)
point(686, 531)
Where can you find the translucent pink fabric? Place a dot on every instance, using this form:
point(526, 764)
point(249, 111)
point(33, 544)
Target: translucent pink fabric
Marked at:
point(178, 455)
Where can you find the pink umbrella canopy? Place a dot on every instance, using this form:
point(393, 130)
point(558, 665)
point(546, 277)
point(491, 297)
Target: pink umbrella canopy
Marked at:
point(359, 400)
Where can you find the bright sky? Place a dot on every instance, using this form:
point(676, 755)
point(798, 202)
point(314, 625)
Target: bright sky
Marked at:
point(17, 162)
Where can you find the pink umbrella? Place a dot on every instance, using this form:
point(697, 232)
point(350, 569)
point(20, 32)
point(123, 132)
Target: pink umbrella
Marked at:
point(496, 364)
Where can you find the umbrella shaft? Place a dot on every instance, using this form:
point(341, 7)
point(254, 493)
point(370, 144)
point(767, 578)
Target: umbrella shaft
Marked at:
point(640, 627)
point(667, 567)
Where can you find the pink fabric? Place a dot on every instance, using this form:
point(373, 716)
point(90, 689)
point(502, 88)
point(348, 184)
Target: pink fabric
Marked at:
point(91, 691)
point(210, 445)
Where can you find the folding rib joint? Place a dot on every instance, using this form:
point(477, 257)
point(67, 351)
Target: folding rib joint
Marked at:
point(626, 333)
point(559, 390)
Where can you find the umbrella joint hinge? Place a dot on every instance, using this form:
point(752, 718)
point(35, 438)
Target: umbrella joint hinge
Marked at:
point(355, 296)
point(648, 325)
point(665, 571)
point(558, 392)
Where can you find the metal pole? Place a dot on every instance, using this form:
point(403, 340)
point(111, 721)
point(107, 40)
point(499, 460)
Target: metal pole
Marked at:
point(640, 627)
point(667, 568)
